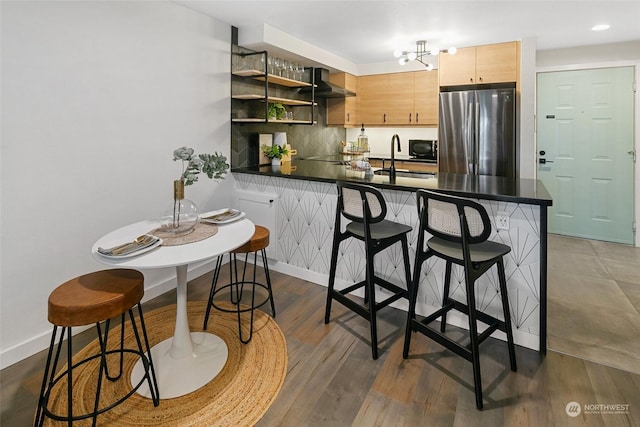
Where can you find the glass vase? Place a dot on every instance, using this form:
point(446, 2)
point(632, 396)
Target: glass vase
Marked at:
point(182, 216)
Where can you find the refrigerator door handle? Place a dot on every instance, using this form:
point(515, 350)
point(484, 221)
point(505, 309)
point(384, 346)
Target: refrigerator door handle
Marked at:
point(470, 137)
point(476, 137)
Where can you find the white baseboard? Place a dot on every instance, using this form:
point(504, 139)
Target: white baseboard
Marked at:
point(41, 342)
point(523, 339)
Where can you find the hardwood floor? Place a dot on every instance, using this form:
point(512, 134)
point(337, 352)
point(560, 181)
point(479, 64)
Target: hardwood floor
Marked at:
point(594, 301)
point(332, 380)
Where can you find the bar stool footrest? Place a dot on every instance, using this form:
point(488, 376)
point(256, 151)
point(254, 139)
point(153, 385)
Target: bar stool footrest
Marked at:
point(241, 310)
point(63, 375)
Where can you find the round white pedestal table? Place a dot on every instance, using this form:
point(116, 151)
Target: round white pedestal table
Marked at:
point(188, 360)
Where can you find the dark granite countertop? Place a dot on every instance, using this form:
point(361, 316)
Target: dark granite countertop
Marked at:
point(527, 191)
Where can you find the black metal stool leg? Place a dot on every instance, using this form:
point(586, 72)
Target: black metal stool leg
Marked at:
point(47, 378)
point(507, 315)
point(153, 382)
point(474, 346)
point(69, 377)
point(103, 368)
point(268, 279)
point(106, 340)
point(411, 314)
point(214, 283)
point(370, 287)
point(445, 295)
point(332, 274)
point(253, 296)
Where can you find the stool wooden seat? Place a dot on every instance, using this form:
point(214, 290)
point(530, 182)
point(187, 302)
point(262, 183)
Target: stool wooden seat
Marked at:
point(86, 299)
point(258, 243)
point(94, 298)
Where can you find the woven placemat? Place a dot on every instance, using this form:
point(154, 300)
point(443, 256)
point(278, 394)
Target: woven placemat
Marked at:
point(238, 396)
point(200, 232)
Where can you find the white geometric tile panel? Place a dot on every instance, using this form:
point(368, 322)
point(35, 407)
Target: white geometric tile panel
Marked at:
point(305, 221)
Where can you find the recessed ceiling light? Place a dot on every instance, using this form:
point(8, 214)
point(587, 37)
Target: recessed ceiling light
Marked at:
point(601, 27)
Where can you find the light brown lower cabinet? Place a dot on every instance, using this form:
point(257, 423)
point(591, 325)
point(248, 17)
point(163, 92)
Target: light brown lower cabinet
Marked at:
point(401, 164)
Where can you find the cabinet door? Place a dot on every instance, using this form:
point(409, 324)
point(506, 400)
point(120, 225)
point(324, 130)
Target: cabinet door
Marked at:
point(372, 96)
point(400, 99)
point(421, 167)
point(496, 63)
point(343, 111)
point(458, 69)
point(426, 97)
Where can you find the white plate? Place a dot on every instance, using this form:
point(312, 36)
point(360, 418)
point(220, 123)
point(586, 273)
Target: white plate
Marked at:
point(135, 253)
point(206, 217)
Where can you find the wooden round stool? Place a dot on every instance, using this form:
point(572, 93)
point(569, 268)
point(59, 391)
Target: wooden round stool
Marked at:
point(258, 243)
point(94, 298)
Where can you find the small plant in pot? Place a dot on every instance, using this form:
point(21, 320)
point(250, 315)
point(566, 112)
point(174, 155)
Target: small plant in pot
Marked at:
point(274, 153)
point(276, 111)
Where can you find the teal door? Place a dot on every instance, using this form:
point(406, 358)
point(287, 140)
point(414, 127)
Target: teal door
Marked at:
point(585, 139)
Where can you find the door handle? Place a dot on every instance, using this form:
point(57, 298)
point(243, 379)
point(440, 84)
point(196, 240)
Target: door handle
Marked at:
point(632, 153)
point(544, 161)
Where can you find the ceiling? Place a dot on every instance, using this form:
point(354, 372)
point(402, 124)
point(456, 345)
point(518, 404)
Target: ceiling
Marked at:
point(366, 32)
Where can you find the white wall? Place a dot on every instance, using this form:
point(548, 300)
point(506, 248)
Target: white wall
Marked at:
point(95, 97)
point(608, 55)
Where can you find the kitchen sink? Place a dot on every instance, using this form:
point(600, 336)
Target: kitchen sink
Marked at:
point(406, 174)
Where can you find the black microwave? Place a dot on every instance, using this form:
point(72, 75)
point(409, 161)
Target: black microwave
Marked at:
point(423, 149)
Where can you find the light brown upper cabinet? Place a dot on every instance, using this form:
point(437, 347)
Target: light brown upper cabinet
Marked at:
point(425, 102)
point(372, 94)
point(495, 63)
point(343, 111)
point(398, 99)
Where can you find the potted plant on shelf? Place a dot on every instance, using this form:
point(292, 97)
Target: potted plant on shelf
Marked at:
point(275, 153)
point(276, 111)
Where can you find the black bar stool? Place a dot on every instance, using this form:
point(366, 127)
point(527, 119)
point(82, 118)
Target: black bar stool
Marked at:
point(258, 243)
point(366, 208)
point(460, 230)
point(94, 298)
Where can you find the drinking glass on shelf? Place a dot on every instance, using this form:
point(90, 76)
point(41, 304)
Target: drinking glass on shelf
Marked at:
point(300, 71)
point(292, 70)
point(279, 66)
point(271, 63)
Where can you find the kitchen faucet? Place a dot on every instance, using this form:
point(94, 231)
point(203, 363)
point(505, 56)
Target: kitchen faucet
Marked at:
point(392, 168)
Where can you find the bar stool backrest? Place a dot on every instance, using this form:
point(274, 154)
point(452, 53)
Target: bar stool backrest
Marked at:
point(357, 201)
point(447, 217)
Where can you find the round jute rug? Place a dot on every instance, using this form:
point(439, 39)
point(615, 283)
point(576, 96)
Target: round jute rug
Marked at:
point(238, 396)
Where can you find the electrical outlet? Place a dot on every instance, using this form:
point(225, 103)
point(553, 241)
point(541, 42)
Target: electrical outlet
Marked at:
point(502, 221)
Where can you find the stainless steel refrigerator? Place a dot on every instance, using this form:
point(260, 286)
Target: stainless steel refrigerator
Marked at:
point(477, 132)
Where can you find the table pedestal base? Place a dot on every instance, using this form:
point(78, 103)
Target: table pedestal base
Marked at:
point(177, 377)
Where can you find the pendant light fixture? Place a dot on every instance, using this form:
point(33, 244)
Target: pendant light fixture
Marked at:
point(420, 53)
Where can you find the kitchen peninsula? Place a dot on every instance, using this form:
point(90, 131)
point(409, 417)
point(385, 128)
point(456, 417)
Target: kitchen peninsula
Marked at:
point(306, 201)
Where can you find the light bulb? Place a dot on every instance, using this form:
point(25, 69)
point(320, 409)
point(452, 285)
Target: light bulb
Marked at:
point(397, 53)
point(403, 61)
point(429, 67)
point(412, 56)
point(452, 50)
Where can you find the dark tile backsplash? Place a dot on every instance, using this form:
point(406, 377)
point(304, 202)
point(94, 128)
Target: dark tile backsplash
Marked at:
point(309, 140)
